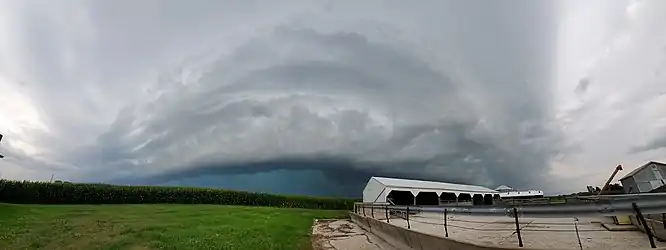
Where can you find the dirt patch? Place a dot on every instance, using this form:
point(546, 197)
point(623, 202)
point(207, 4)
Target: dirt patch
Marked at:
point(343, 234)
point(346, 226)
point(319, 242)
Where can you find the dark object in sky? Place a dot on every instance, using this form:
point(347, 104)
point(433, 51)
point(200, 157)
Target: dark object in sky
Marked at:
point(1, 156)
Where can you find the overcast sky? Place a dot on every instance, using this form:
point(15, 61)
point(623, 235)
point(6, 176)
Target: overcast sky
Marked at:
point(547, 95)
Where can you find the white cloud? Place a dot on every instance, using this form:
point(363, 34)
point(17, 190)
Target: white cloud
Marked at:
point(455, 90)
point(621, 53)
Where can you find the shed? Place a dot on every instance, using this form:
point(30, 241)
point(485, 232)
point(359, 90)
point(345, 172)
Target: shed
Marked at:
point(645, 178)
point(419, 192)
point(503, 189)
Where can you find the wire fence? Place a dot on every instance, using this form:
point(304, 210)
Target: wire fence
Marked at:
point(508, 220)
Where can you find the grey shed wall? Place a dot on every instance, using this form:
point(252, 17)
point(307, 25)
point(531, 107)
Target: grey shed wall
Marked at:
point(629, 185)
point(646, 179)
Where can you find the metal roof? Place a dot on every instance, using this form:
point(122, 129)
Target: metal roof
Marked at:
point(431, 185)
point(638, 169)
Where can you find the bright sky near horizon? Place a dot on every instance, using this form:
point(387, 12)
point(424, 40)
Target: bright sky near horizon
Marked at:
point(536, 94)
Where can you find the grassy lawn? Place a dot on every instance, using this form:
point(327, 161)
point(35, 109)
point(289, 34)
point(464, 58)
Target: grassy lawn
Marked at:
point(156, 227)
point(556, 200)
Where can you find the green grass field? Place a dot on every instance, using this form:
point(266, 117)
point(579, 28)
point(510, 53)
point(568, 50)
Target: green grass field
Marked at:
point(156, 227)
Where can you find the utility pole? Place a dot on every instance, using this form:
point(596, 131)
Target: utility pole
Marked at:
point(1, 156)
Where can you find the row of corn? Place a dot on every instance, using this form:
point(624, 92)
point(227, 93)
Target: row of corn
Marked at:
point(28, 192)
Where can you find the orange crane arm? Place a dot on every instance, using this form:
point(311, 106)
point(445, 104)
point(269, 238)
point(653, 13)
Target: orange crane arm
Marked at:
point(617, 169)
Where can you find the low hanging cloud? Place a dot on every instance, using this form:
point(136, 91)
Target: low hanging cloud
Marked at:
point(653, 144)
point(174, 92)
point(336, 102)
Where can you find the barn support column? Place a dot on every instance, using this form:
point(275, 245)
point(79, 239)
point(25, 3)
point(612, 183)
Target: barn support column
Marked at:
point(414, 194)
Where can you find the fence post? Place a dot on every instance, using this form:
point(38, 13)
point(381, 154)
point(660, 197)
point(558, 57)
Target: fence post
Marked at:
point(387, 213)
point(407, 216)
point(364, 210)
point(372, 211)
point(640, 218)
point(520, 239)
point(446, 229)
point(663, 219)
point(577, 234)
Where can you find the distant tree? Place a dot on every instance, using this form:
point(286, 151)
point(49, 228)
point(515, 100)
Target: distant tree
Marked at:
point(612, 189)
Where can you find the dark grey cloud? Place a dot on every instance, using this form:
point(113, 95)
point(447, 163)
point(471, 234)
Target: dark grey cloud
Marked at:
point(446, 90)
point(582, 86)
point(653, 144)
point(411, 122)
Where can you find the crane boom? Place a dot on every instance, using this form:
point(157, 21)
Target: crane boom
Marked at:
point(617, 169)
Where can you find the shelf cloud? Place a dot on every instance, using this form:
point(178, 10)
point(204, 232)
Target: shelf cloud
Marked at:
point(464, 91)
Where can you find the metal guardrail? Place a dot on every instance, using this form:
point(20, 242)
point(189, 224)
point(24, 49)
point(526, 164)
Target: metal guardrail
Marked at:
point(605, 206)
point(637, 196)
point(611, 205)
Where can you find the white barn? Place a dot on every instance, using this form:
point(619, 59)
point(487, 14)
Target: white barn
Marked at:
point(506, 192)
point(503, 189)
point(522, 194)
point(417, 192)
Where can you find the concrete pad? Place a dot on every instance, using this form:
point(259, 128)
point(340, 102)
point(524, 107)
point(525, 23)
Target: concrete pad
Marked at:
point(344, 235)
point(613, 227)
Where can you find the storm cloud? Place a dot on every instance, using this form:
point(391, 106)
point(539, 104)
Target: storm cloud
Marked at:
point(177, 93)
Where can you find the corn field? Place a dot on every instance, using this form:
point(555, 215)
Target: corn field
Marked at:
point(28, 192)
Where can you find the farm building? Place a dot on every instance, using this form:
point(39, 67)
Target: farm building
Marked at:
point(646, 178)
point(528, 194)
point(428, 193)
point(503, 189)
point(506, 192)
